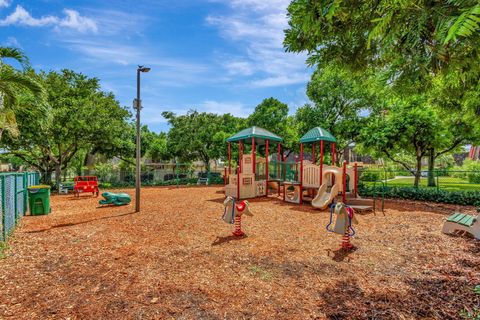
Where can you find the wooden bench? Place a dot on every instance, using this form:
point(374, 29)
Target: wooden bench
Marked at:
point(463, 222)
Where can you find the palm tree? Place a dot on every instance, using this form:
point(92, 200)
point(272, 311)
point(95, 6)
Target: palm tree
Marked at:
point(13, 83)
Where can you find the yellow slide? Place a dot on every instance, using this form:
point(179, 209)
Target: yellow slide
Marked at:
point(324, 198)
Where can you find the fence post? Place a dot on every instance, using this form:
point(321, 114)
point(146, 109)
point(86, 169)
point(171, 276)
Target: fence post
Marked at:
point(4, 231)
point(25, 193)
point(385, 175)
point(15, 205)
point(176, 174)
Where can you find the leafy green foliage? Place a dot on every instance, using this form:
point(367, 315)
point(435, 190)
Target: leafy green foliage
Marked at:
point(373, 174)
point(465, 25)
point(409, 39)
point(338, 100)
point(469, 170)
point(200, 135)
point(14, 83)
point(271, 114)
point(76, 115)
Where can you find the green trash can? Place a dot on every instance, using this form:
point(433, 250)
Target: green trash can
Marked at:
point(39, 200)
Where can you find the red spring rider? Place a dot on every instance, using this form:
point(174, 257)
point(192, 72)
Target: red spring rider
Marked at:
point(233, 212)
point(343, 223)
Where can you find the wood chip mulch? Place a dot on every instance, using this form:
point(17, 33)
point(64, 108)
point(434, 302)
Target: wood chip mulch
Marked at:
point(177, 260)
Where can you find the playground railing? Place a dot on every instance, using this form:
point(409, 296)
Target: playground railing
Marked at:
point(14, 198)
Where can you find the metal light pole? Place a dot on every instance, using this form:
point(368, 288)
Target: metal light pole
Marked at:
point(137, 104)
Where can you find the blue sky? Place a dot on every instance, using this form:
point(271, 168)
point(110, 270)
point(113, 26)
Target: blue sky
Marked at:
point(222, 56)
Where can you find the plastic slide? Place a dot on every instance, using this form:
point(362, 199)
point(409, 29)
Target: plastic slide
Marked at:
point(324, 198)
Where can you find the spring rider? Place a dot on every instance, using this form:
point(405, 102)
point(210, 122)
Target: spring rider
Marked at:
point(343, 223)
point(115, 199)
point(233, 212)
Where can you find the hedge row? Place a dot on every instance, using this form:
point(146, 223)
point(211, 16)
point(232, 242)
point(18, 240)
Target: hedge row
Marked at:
point(467, 198)
point(174, 182)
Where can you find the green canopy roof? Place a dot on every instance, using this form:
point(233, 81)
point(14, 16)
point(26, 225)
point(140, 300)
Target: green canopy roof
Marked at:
point(258, 133)
point(317, 134)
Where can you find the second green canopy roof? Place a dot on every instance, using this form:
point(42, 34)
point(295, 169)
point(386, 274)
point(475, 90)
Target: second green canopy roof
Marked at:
point(317, 134)
point(258, 133)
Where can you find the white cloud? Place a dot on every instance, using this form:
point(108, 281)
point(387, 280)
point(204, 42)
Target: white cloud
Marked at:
point(12, 42)
point(237, 109)
point(72, 20)
point(5, 3)
point(258, 27)
point(243, 68)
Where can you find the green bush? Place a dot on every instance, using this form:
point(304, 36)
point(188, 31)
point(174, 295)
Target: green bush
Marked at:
point(467, 198)
point(373, 174)
point(151, 183)
point(470, 171)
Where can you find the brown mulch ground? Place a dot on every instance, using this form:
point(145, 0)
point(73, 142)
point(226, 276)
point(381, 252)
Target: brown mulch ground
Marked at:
point(177, 260)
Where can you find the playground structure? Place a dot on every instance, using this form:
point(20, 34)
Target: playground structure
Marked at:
point(344, 221)
point(85, 184)
point(323, 183)
point(116, 199)
point(233, 212)
point(252, 175)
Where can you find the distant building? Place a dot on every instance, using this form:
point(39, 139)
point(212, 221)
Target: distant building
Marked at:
point(474, 153)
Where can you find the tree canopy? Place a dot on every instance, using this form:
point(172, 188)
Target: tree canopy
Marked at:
point(78, 115)
point(200, 135)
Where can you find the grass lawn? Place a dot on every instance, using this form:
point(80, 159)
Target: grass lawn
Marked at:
point(446, 183)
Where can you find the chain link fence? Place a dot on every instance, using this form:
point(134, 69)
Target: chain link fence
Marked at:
point(441, 179)
point(170, 175)
point(14, 198)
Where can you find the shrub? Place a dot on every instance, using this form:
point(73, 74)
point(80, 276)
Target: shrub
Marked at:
point(468, 198)
point(470, 171)
point(372, 174)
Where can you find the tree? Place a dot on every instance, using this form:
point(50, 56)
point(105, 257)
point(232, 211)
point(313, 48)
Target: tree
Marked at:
point(158, 149)
point(404, 129)
point(412, 40)
point(12, 84)
point(200, 135)
point(78, 116)
point(272, 114)
point(338, 101)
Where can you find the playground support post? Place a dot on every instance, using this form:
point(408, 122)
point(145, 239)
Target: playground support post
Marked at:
point(266, 168)
point(355, 170)
point(344, 182)
point(314, 160)
point(253, 156)
point(301, 173)
point(224, 177)
point(238, 182)
point(229, 158)
point(333, 161)
point(240, 155)
point(321, 161)
point(279, 159)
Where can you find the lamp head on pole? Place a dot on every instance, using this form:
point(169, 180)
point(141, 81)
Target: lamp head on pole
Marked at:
point(143, 69)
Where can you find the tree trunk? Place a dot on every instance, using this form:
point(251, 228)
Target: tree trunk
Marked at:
point(431, 166)
point(58, 176)
point(47, 177)
point(418, 172)
point(207, 164)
